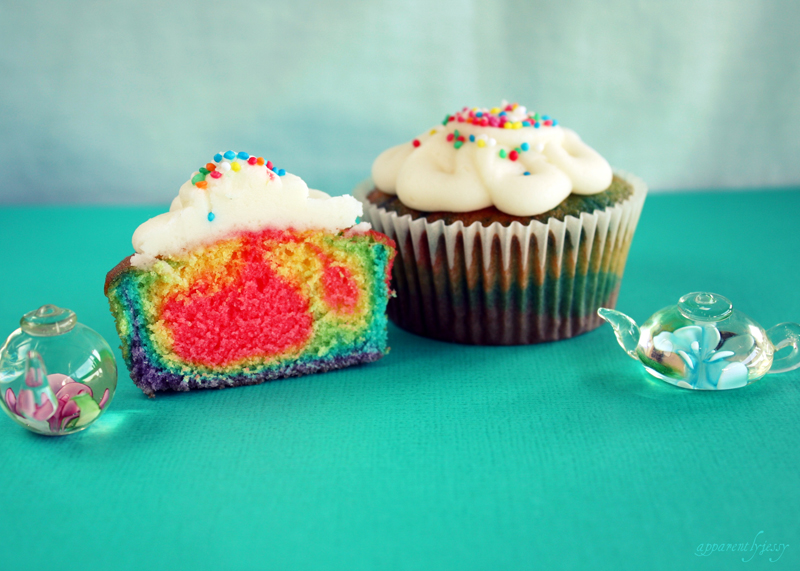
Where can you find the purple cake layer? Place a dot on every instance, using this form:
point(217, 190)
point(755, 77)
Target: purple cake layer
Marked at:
point(151, 379)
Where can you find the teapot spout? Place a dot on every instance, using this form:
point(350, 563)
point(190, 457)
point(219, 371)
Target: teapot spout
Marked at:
point(625, 329)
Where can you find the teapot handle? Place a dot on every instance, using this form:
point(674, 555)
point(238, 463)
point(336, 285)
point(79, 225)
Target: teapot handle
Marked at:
point(784, 335)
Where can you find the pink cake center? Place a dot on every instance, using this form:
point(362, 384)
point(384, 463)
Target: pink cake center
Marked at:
point(341, 291)
point(258, 314)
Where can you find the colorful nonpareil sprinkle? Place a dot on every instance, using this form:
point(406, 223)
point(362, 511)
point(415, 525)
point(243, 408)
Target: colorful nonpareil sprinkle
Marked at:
point(507, 116)
point(230, 161)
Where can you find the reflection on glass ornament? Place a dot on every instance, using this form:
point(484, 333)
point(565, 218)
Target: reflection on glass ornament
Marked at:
point(57, 376)
point(703, 343)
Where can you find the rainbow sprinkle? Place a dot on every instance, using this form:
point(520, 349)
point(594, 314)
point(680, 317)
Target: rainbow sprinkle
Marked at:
point(227, 162)
point(230, 161)
point(507, 116)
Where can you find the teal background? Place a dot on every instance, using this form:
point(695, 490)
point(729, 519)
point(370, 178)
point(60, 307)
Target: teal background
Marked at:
point(439, 456)
point(118, 102)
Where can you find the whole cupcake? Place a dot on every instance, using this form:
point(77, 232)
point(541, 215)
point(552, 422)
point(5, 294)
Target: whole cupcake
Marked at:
point(510, 229)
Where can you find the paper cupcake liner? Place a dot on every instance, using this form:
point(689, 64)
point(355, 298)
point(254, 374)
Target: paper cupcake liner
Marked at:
point(507, 285)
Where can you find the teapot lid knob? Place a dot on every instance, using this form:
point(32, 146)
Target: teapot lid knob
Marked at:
point(704, 306)
point(47, 321)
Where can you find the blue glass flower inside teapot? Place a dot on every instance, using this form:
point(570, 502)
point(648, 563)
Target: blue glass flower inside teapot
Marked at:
point(703, 343)
point(56, 375)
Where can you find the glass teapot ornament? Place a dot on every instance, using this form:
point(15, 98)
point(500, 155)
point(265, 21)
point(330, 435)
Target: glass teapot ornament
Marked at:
point(56, 375)
point(703, 343)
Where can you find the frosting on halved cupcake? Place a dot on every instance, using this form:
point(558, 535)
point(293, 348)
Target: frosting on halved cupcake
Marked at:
point(520, 162)
point(238, 192)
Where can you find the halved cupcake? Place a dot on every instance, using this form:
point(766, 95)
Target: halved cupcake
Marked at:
point(249, 277)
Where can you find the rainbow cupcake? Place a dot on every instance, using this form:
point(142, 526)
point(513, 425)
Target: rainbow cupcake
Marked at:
point(509, 228)
point(250, 277)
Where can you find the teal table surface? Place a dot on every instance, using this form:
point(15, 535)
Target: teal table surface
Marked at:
point(439, 456)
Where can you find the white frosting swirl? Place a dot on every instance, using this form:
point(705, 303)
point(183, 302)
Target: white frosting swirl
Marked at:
point(434, 175)
point(247, 197)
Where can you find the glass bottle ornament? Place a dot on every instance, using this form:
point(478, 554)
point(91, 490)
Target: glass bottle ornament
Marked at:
point(57, 376)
